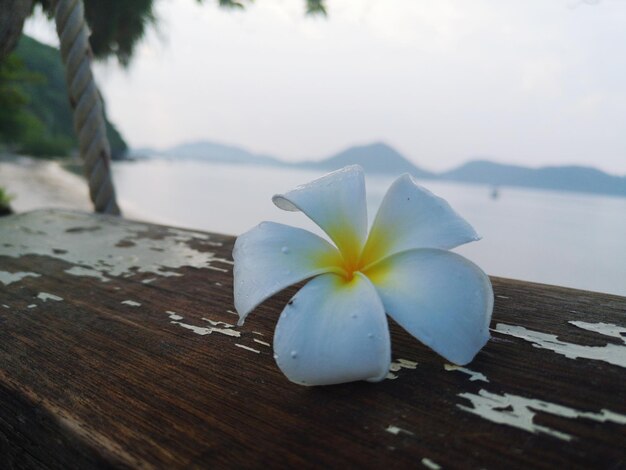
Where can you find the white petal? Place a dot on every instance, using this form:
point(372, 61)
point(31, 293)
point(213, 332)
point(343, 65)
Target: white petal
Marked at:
point(412, 217)
point(273, 256)
point(439, 297)
point(335, 202)
point(333, 331)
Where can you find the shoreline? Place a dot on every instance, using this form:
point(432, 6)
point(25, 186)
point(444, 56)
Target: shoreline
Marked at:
point(36, 184)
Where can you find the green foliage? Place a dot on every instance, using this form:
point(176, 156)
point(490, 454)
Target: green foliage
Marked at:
point(15, 121)
point(316, 7)
point(116, 141)
point(48, 100)
point(38, 145)
point(35, 115)
point(5, 199)
point(118, 25)
point(229, 4)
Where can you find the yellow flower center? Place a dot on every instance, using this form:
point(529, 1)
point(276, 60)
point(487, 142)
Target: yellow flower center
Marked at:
point(355, 259)
point(350, 268)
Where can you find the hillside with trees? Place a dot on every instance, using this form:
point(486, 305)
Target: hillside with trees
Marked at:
point(35, 114)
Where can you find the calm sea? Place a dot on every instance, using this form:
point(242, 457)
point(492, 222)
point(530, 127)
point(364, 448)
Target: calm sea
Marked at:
point(567, 239)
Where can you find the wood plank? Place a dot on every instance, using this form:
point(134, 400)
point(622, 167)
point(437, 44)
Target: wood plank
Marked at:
point(140, 365)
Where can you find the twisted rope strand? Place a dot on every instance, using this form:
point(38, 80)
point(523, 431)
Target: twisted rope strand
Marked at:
point(86, 103)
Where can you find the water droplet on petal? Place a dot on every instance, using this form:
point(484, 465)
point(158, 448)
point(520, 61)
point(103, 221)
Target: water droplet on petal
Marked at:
point(285, 250)
point(370, 335)
point(294, 354)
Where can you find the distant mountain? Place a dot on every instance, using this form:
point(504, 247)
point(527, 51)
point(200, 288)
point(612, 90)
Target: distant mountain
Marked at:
point(483, 171)
point(565, 178)
point(380, 158)
point(214, 152)
point(142, 152)
point(374, 158)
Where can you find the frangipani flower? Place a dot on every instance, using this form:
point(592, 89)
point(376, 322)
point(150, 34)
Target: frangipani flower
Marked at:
point(335, 329)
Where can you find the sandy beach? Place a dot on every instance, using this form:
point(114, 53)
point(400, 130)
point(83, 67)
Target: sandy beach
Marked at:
point(36, 184)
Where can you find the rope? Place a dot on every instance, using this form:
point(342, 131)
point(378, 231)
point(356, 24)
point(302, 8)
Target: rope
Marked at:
point(86, 103)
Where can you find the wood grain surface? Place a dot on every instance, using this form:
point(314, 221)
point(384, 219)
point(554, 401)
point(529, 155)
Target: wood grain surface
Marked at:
point(118, 349)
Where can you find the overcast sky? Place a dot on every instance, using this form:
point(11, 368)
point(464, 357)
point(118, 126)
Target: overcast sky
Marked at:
point(533, 82)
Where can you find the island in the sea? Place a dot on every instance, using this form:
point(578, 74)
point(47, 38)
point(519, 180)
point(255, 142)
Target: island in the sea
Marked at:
point(381, 158)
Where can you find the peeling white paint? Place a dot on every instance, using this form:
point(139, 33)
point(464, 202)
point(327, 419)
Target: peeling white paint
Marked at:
point(5, 306)
point(45, 296)
point(148, 281)
point(502, 297)
point(201, 330)
point(430, 464)
point(606, 329)
point(32, 306)
point(173, 315)
point(170, 274)
point(242, 346)
point(523, 410)
point(131, 303)
point(218, 323)
point(230, 311)
point(184, 235)
point(215, 268)
point(86, 272)
point(7, 278)
point(33, 233)
point(400, 364)
point(395, 430)
point(261, 342)
point(612, 353)
point(473, 374)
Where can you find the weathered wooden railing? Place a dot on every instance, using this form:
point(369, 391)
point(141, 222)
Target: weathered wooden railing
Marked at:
point(118, 347)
